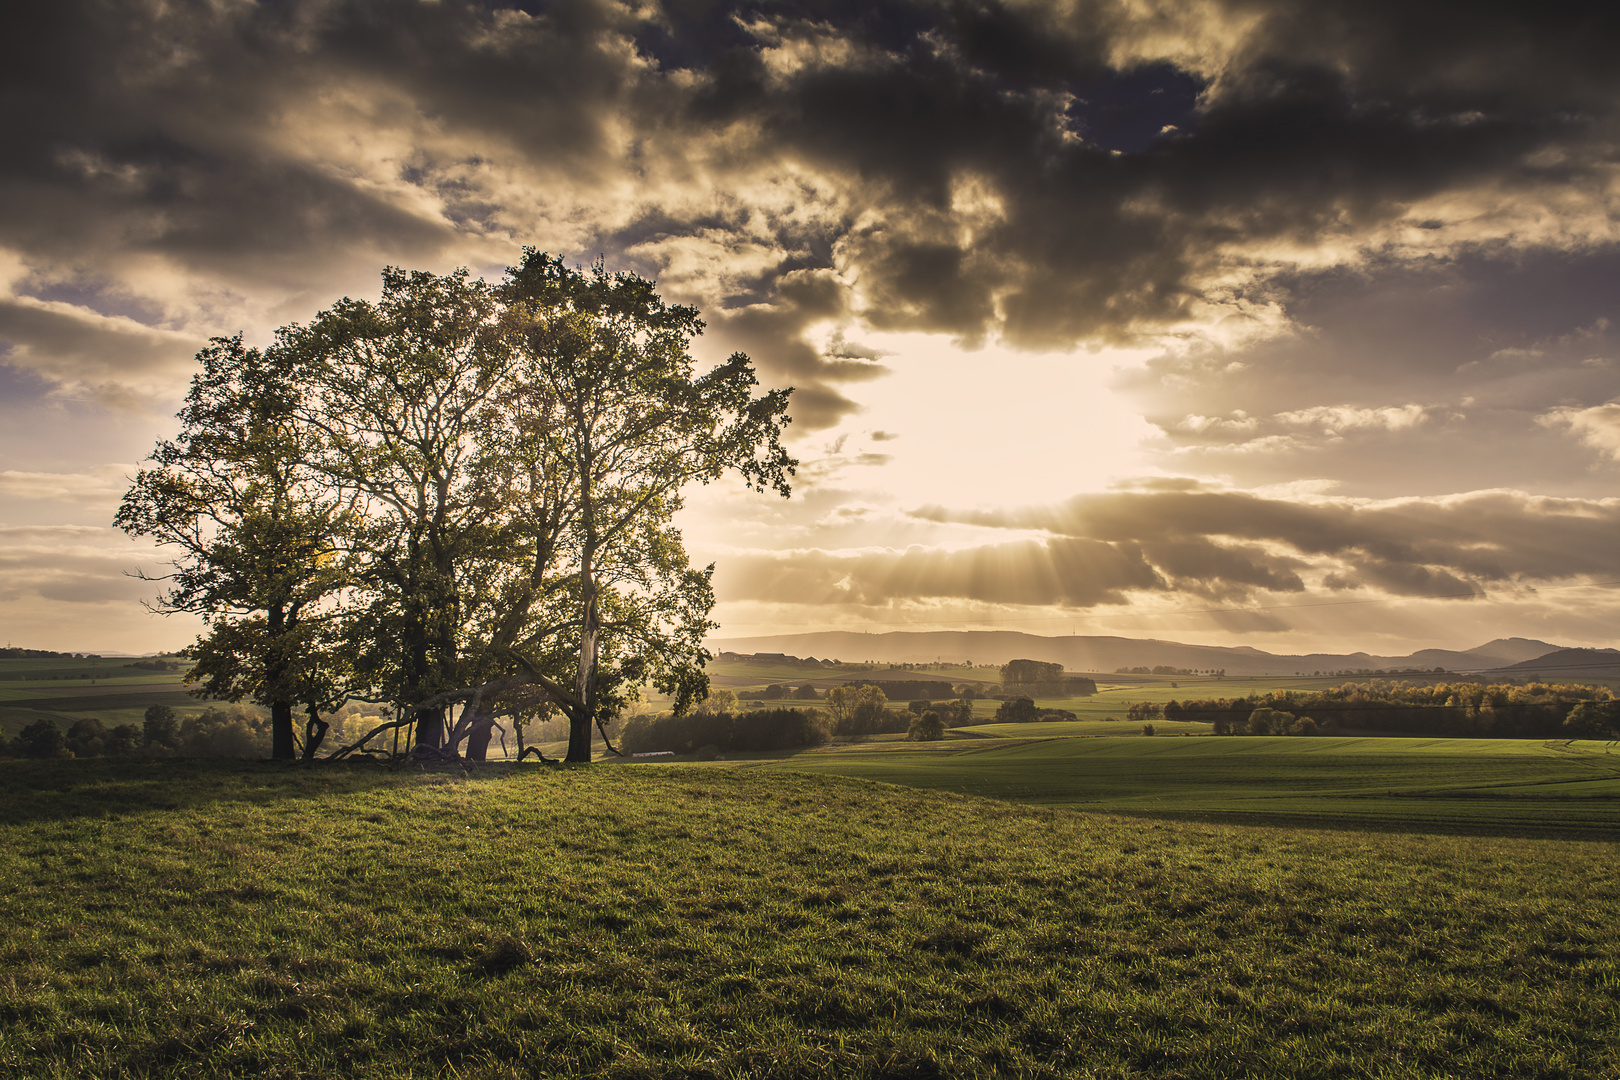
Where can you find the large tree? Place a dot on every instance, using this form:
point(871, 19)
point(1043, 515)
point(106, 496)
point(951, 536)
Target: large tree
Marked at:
point(252, 531)
point(631, 423)
point(496, 470)
point(399, 416)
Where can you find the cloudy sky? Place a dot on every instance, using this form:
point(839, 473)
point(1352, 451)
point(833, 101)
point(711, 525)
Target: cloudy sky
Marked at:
point(1287, 323)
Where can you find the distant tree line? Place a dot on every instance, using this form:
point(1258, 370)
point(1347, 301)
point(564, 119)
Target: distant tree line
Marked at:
point(1037, 678)
point(1023, 710)
point(760, 730)
point(1466, 710)
point(156, 664)
point(784, 692)
point(12, 653)
point(910, 689)
point(216, 731)
point(1166, 669)
point(854, 712)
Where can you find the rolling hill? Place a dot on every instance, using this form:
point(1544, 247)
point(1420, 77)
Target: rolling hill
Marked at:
point(1097, 653)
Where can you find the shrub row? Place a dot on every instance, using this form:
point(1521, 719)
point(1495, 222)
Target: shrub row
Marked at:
point(762, 729)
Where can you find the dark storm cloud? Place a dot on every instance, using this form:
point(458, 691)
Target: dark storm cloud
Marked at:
point(1071, 572)
point(106, 355)
point(1459, 544)
point(1212, 546)
point(1053, 173)
point(1485, 369)
point(1289, 144)
point(147, 127)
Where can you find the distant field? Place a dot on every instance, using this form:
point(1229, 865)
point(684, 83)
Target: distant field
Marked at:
point(1485, 785)
point(205, 919)
point(68, 689)
point(1075, 728)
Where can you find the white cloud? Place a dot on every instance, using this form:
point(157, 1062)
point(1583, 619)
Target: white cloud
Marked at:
point(1332, 419)
point(101, 487)
point(1597, 427)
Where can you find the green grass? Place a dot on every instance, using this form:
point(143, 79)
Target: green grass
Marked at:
point(1482, 785)
point(164, 919)
point(1076, 728)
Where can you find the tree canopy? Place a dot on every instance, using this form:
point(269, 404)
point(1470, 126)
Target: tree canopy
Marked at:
point(458, 500)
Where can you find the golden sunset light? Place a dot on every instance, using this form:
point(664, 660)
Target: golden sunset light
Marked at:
point(1296, 334)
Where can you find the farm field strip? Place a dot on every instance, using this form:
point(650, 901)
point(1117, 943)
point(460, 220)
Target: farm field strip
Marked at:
point(1477, 784)
point(1083, 728)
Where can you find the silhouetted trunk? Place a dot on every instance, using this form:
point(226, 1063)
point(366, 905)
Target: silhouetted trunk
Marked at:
point(281, 731)
point(282, 747)
point(579, 720)
point(314, 734)
point(478, 736)
point(430, 728)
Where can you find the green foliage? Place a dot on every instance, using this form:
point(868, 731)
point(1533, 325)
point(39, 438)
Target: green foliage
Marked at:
point(807, 692)
point(87, 737)
point(453, 491)
point(759, 730)
point(1018, 710)
point(1265, 721)
point(857, 711)
point(926, 727)
point(724, 922)
point(1016, 673)
point(124, 741)
point(253, 531)
point(222, 732)
point(718, 701)
point(160, 729)
point(1593, 720)
point(1040, 679)
point(42, 739)
point(1535, 710)
point(616, 407)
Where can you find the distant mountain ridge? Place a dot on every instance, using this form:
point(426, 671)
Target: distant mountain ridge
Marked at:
point(1106, 654)
point(1568, 664)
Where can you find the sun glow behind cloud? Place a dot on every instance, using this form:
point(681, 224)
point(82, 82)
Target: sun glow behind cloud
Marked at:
point(991, 425)
point(1305, 252)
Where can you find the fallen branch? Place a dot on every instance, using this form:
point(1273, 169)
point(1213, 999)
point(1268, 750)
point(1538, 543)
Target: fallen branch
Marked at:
point(356, 746)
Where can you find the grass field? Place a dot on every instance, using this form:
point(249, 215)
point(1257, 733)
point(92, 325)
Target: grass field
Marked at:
point(172, 918)
point(1078, 728)
point(1483, 785)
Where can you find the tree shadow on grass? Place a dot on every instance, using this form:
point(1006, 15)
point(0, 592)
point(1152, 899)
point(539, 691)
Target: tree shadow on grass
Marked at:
point(36, 791)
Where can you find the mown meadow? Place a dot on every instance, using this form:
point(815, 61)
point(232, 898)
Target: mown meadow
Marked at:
point(1568, 788)
point(183, 918)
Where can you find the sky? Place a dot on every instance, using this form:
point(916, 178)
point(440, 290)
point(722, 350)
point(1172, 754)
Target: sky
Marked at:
point(1283, 323)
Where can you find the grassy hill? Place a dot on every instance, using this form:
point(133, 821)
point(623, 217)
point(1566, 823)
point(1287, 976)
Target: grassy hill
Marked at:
point(162, 919)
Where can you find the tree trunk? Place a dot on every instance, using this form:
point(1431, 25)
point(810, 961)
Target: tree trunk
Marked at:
point(579, 725)
point(430, 728)
point(315, 730)
point(281, 731)
point(478, 737)
point(282, 746)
